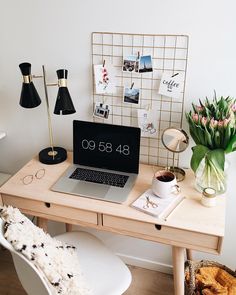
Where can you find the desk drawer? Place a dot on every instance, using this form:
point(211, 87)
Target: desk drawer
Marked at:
point(59, 212)
point(162, 234)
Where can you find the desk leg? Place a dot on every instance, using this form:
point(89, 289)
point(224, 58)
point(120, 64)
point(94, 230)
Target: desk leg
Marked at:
point(43, 223)
point(189, 253)
point(178, 268)
point(68, 227)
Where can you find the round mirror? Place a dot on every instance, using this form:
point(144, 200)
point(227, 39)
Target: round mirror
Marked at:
point(175, 140)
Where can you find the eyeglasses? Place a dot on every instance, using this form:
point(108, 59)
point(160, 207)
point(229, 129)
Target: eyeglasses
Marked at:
point(29, 178)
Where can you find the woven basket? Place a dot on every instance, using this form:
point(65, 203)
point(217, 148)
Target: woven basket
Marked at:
point(193, 266)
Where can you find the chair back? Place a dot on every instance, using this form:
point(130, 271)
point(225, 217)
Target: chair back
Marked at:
point(31, 279)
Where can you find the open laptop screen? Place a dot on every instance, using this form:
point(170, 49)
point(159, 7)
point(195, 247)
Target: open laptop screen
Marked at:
point(106, 146)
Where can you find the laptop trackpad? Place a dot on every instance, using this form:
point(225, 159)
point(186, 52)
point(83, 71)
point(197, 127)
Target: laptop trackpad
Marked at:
point(90, 189)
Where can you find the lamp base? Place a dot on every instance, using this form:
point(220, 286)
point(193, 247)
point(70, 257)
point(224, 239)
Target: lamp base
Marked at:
point(49, 157)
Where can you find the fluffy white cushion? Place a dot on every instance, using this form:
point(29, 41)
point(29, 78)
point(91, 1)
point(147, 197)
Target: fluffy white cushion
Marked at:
point(57, 261)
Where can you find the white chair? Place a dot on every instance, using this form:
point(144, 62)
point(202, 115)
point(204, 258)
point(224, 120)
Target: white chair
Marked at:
point(104, 272)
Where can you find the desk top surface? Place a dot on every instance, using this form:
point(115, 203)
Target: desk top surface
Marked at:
point(188, 215)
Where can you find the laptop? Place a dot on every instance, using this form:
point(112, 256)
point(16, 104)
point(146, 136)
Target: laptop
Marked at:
point(106, 161)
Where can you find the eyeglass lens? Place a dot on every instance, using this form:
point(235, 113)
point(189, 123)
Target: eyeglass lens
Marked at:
point(38, 175)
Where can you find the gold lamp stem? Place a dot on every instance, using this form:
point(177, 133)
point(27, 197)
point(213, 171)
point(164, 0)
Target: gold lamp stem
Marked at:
point(52, 152)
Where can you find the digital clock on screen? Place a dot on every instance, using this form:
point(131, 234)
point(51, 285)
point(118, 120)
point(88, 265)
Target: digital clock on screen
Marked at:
point(106, 146)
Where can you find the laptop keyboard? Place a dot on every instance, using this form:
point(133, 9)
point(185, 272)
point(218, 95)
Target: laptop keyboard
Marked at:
point(94, 176)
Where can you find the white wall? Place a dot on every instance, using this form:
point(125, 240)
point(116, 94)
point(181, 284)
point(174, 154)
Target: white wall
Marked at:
point(57, 33)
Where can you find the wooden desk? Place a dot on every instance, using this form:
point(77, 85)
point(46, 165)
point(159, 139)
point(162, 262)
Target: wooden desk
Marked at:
point(190, 225)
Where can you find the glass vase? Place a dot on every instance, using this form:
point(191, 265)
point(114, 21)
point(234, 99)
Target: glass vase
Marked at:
point(209, 175)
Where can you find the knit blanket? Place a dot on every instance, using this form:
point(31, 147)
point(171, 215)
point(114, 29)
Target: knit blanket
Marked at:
point(57, 261)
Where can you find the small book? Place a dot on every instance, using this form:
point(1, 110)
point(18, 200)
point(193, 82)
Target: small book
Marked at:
point(155, 206)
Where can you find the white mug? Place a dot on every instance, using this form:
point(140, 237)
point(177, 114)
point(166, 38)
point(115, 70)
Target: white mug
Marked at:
point(164, 184)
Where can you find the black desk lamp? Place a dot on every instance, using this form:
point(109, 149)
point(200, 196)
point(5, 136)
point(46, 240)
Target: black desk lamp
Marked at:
point(64, 105)
point(29, 96)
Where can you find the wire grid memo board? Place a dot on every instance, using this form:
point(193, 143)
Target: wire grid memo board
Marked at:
point(169, 54)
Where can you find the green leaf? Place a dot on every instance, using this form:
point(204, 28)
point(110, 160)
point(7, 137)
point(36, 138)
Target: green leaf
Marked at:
point(217, 139)
point(212, 131)
point(208, 115)
point(207, 102)
point(192, 129)
point(194, 135)
point(227, 136)
point(200, 134)
point(208, 138)
point(201, 104)
point(217, 157)
point(218, 113)
point(199, 152)
point(215, 98)
point(232, 145)
point(189, 117)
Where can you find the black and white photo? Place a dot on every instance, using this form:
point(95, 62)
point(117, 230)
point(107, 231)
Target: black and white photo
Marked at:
point(101, 110)
point(130, 63)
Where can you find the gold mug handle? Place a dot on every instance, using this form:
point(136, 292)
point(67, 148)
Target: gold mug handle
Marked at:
point(176, 189)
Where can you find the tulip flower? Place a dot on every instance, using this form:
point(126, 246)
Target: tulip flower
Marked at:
point(204, 121)
point(195, 117)
point(199, 108)
point(233, 107)
point(213, 123)
point(226, 122)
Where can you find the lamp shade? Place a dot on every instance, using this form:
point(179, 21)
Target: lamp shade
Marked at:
point(64, 104)
point(29, 96)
